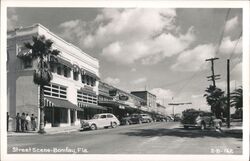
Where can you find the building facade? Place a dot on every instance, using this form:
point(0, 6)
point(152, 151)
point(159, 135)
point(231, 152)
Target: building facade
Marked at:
point(119, 102)
point(149, 98)
point(73, 91)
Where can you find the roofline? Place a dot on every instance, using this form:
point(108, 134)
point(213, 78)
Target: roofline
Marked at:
point(56, 36)
point(143, 91)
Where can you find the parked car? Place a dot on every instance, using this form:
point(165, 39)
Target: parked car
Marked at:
point(200, 119)
point(132, 119)
point(169, 118)
point(100, 121)
point(146, 118)
point(160, 118)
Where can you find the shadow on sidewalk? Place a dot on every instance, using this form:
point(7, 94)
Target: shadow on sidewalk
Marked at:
point(180, 132)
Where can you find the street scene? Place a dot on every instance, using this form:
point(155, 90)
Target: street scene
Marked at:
point(148, 138)
point(124, 81)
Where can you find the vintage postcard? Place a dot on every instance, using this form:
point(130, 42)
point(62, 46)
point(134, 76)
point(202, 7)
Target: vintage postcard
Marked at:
point(124, 80)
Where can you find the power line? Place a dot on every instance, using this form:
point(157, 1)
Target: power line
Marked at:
point(236, 44)
point(218, 47)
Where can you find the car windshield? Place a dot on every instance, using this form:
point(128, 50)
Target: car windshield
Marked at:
point(95, 117)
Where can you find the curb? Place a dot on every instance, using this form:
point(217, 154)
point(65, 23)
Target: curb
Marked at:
point(232, 131)
point(36, 133)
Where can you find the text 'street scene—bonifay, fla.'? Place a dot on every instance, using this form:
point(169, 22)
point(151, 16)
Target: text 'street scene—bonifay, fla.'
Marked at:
point(125, 80)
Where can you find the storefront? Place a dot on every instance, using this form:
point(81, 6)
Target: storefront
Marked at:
point(89, 110)
point(59, 113)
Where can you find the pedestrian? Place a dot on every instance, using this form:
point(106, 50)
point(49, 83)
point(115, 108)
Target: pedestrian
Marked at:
point(18, 121)
point(33, 122)
point(27, 127)
point(23, 122)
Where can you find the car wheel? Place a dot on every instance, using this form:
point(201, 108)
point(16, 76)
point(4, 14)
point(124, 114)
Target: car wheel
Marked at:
point(113, 124)
point(93, 127)
point(203, 126)
point(139, 122)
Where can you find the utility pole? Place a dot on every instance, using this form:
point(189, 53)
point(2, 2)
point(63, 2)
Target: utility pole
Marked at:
point(213, 77)
point(228, 93)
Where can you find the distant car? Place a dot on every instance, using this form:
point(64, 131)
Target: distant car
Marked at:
point(146, 118)
point(100, 121)
point(200, 119)
point(169, 118)
point(132, 119)
point(160, 118)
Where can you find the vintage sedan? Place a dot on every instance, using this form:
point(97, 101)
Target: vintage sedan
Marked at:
point(200, 119)
point(103, 120)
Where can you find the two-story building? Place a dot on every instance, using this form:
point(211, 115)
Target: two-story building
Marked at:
point(149, 98)
point(119, 102)
point(73, 91)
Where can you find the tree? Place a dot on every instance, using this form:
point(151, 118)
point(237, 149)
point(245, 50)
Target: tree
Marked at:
point(216, 99)
point(237, 100)
point(41, 49)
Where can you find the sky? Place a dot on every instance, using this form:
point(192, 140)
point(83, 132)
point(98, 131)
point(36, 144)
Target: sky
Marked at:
point(162, 50)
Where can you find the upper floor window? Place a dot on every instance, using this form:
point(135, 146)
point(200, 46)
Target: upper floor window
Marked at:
point(88, 98)
point(59, 70)
point(66, 72)
point(76, 76)
point(55, 91)
point(52, 68)
point(27, 63)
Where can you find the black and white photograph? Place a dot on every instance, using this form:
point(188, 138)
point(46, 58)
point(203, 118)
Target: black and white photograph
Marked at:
point(125, 80)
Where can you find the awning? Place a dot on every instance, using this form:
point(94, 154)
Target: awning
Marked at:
point(76, 68)
point(56, 59)
point(64, 62)
point(24, 53)
point(54, 102)
point(89, 105)
point(85, 72)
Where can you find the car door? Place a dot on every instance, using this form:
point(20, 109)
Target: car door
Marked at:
point(103, 121)
point(110, 118)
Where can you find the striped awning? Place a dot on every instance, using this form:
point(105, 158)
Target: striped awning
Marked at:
point(48, 103)
point(54, 102)
point(24, 52)
point(89, 105)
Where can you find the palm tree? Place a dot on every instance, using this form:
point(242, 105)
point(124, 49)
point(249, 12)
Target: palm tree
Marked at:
point(41, 49)
point(216, 99)
point(237, 100)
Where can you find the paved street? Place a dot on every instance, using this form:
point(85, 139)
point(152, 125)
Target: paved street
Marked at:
point(152, 138)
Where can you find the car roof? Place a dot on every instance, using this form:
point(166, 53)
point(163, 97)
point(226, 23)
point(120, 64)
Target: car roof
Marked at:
point(104, 114)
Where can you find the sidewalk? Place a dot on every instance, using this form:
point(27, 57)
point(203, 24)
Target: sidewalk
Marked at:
point(235, 128)
point(49, 131)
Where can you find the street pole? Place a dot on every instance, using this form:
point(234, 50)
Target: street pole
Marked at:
point(213, 76)
point(228, 93)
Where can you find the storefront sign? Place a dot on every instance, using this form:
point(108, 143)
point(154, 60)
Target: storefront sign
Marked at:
point(123, 97)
